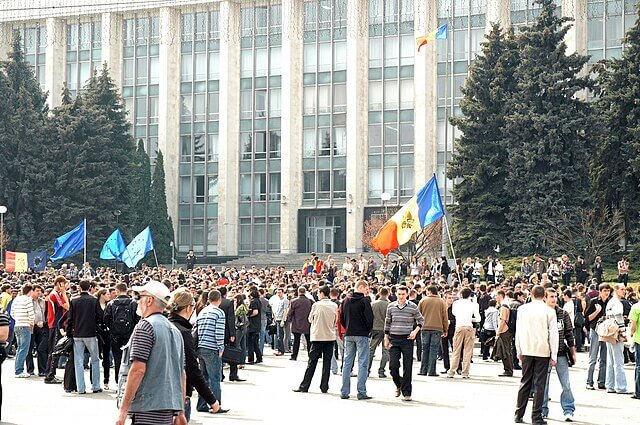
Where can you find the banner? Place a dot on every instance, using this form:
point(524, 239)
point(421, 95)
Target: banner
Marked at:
point(16, 261)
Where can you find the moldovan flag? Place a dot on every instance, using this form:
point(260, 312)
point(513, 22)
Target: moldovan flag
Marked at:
point(441, 33)
point(423, 209)
point(16, 261)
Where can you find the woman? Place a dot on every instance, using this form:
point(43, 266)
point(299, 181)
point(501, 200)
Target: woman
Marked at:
point(553, 271)
point(526, 269)
point(498, 270)
point(616, 381)
point(202, 302)
point(489, 329)
point(242, 321)
point(413, 266)
point(181, 308)
point(566, 270)
point(104, 338)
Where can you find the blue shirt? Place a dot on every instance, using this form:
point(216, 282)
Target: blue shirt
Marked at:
point(211, 324)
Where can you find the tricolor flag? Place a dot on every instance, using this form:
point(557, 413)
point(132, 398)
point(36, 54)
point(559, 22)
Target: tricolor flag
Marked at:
point(423, 209)
point(16, 261)
point(441, 33)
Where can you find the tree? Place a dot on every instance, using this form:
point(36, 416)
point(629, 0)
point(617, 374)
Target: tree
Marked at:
point(480, 158)
point(141, 187)
point(546, 133)
point(616, 164)
point(160, 222)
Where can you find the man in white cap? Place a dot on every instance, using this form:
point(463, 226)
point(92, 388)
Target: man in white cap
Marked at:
point(156, 382)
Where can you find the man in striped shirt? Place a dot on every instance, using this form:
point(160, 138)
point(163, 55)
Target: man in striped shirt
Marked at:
point(400, 332)
point(211, 324)
point(22, 312)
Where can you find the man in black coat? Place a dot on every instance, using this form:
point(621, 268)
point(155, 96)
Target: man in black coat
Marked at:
point(82, 323)
point(226, 305)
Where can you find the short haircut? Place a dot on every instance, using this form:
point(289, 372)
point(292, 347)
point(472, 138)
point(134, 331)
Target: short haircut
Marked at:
point(222, 291)
point(214, 296)
point(568, 293)
point(538, 292)
point(4, 287)
point(466, 293)
point(518, 294)
point(85, 285)
point(604, 286)
point(362, 284)
point(402, 288)
point(302, 290)
point(324, 290)
point(121, 287)
point(501, 293)
point(26, 288)
point(60, 279)
point(384, 291)
point(335, 292)
point(492, 303)
point(550, 291)
point(433, 289)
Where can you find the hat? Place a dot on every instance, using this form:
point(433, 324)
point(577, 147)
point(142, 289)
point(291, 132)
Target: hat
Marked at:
point(155, 288)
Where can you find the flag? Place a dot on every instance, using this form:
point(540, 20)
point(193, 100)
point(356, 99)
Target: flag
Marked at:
point(423, 209)
point(113, 247)
point(138, 248)
point(37, 260)
point(441, 33)
point(16, 261)
point(70, 243)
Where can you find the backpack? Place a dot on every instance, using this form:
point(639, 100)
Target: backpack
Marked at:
point(513, 316)
point(123, 322)
point(578, 315)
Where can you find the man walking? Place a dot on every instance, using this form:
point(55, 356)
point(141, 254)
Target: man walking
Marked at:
point(280, 309)
point(399, 336)
point(566, 357)
point(357, 317)
point(156, 382)
point(82, 323)
point(323, 318)
point(537, 345)
point(121, 318)
point(379, 308)
point(57, 304)
point(39, 336)
point(299, 316)
point(504, 338)
point(595, 311)
point(434, 311)
point(22, 313)
point(466, 313)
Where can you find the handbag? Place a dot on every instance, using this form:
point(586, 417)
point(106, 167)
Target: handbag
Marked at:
point(232, 355)
point(64, 346)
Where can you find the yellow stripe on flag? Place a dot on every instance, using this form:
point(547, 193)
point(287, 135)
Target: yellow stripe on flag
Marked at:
point(16, 261)
point(407, 220)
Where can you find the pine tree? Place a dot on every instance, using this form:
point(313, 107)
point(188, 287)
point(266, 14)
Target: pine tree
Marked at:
point(160, 222)
point(546, 132)
point(480, 160)
point(616, 165)
point(141, 187)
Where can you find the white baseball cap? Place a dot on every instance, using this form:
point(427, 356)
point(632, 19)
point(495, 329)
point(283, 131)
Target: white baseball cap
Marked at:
point(155, 288)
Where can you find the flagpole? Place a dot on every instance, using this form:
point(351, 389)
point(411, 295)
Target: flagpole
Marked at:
point(455, 261)
point(156, 257)
point(85, 240)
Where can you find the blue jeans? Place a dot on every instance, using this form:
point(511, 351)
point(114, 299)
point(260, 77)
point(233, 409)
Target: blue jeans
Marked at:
point(23, 335)
point(353, 345)
point(262, 337)
point(279, 337)
point(430, 348)
point(566, 397)
point(91, 344)
point(211, 365)
point(596, 348)
point(616, 380)
point(637, 347)
point(334, 359)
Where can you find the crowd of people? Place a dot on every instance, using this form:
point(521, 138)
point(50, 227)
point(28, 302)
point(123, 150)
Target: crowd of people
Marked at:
point(165, 333)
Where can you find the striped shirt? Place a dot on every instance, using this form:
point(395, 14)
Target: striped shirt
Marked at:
point(22, 311)
point(401, 318)
point(211, 324)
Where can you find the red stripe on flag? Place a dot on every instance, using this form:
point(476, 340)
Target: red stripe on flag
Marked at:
point(10, 259)
point(387, 238)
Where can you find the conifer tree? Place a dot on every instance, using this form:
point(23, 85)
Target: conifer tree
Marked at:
point(141, 187)
point(160, 221)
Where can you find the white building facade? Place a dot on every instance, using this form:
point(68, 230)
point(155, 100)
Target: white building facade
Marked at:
point(282, 122)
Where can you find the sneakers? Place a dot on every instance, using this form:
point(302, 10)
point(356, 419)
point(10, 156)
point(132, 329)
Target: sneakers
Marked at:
point(398, 392)
point(407, 398)
point(568, 417)
point(52, 381)
point(590, 387)
point(23, 375)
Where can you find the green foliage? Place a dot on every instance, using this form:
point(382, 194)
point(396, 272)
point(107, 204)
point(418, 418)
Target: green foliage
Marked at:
point(159, 220)
point(141, 187)
point(479, 215)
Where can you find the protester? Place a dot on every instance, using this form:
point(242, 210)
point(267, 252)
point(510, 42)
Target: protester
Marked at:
point(299, 316)
point(23, 314)
point(466, 312)
point(120, 318)
point(434, 312)
point(379, 308)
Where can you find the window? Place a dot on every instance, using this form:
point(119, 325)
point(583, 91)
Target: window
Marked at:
point(375, 95)
point(198, 189)
point(309, 145)
point(185, 190)
point(339, 55)
point(340, 141)
point(260, 151)
point(185, 149)
point(260, 187)
point(339, 184)
point(274, 186)
point(324, 99)
point(375, 52)
point(212, 148)
point(375, 182)
point(245, 187)
point(309, 100)
point(309, 57)
point(213, 190)
point(261, 103)
point(324, 142)
point(309, 184)
point(246, 145)
point(198, 148)
point(274, 102)
point(274, 144)
point(339, 97)
point(324, 181)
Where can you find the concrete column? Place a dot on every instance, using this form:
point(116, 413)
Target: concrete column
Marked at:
point(112, 44)
point(228, 142)
point(169, 105)
point(426, 95)
point(291, 124)
point(497, 12)
point(357, 120)
point(576, 37)
point(5, 40)
point(56, 53)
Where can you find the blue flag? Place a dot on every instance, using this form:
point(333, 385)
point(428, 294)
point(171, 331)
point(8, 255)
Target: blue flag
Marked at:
point(138, 248)
point(113, 247)
point(37, 260)
point(429, 203)
point(69, 243)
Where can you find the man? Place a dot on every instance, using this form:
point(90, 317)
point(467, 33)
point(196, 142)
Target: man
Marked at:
point(466, 313)
point(156, 382)
point(299, 317)
point(537, 346)
point(357, 318)
point(504, 337)
point(489, 267)
point(253, 335)
point(434, 311)
point(399, 334)
point(227, 307)
point(86, 272)
point(265, 317)
point(5, 320)
point(597, 269)
point(57, 305)
point(39, 336)
point(582, 270)
point(634, 320)
point(594, 312)
point(280, 308)
point(22, 313)
point(566, 357)
point(190, 260)
point(82, 323)
point(211, 327)
point(447, 341)
point(323, 317)
point(379, 308)
point(120, 318)
point(539, 267)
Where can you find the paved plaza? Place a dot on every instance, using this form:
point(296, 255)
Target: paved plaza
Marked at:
point(267, 397)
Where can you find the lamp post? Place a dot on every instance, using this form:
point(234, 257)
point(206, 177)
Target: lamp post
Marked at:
point(3, 210)
point(117, 214)
point(173, 258)
point(386, 197)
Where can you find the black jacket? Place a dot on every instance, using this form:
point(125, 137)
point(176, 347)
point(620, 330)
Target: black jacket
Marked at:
point(230, 315)
point(122, 300)
point(357, 315)
point(83, 316)
point(195, 379)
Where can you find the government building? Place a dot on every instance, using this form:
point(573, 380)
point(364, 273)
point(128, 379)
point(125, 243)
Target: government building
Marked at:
point(285, 124)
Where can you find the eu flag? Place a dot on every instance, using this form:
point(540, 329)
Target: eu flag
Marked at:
point(113, 247)
point(37, 260)
point(70, 243)
point(138, 248)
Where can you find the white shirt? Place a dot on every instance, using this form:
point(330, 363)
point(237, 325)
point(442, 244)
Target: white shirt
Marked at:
point(569, 308)
point(537, 330)
point(466, 311)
